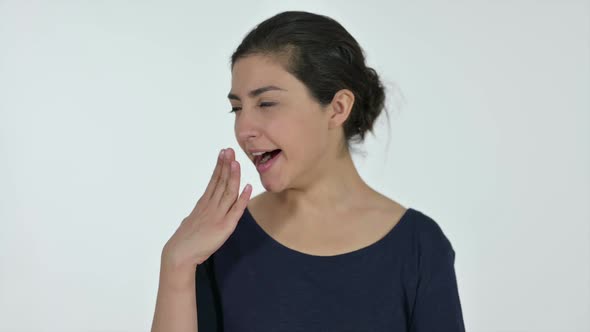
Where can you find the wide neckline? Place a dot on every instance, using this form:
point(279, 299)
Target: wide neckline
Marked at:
point(373, 246)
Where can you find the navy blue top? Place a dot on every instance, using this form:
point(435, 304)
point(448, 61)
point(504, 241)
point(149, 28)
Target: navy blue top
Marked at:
point(403, 282)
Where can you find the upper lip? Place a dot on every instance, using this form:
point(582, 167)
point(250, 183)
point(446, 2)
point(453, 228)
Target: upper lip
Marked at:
point(259, 150)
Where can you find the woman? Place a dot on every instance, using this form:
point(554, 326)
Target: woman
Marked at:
point(319, 250)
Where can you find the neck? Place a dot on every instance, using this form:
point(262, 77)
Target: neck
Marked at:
point(332, 187)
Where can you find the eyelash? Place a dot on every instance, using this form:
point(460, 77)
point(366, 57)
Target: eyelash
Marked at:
point(235, 109)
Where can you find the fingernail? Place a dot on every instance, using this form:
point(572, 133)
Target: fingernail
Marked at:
point(221, 153)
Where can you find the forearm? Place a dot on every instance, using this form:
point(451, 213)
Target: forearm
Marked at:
point(176, 304)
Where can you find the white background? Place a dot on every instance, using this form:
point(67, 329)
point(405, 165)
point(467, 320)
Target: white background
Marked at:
point(112, 114)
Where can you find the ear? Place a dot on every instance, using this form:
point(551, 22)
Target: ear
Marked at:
point(340, 107)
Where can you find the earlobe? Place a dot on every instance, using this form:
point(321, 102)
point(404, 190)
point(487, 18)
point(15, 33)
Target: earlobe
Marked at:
point(341, 107)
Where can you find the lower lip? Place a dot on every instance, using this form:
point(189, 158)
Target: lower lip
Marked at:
point(267, 165)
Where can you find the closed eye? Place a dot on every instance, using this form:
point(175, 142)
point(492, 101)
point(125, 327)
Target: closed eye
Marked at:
point(235, 109)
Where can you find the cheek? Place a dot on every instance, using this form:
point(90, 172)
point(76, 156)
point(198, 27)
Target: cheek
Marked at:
point(304, 141)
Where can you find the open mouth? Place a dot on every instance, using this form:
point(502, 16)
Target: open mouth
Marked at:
point(266, 157)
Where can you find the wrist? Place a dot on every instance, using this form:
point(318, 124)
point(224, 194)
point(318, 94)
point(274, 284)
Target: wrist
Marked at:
point(177, 278)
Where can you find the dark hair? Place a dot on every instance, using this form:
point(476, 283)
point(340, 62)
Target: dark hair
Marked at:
point(319, 52)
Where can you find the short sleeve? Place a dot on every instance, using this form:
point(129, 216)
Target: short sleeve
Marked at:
point(209, 317)
point(437, 306)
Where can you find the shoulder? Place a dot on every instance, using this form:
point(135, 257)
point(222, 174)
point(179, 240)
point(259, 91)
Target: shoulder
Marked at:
point(428, 235)
point(424, 233)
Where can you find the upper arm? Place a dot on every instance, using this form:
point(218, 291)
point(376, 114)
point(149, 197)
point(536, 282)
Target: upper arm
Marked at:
point(437, 306)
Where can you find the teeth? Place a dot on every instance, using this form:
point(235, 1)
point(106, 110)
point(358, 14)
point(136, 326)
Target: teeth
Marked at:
point(265, 159)
point(266, 155)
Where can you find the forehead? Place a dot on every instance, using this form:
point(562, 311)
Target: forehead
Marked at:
point(255, 71)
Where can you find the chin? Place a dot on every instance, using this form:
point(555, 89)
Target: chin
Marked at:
point(272, 185)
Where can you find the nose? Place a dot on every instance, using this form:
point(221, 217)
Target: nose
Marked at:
point(246, 125)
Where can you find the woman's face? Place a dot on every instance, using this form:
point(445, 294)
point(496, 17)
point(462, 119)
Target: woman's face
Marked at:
point(275, 111)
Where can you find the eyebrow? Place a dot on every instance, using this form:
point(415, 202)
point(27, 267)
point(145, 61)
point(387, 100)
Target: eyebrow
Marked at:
point(256, 92)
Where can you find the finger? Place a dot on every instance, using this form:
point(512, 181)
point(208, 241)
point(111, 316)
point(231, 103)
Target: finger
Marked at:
point(237, 209)
point(233, 186)
point(215, 177)
point(222, 183)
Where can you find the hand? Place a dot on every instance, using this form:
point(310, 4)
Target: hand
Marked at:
point(213, 219)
